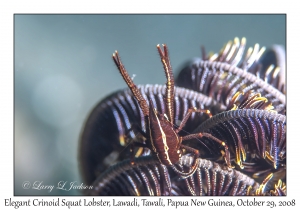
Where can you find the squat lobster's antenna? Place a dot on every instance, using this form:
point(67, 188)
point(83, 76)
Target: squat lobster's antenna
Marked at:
point(137, 94)
point(169, 95)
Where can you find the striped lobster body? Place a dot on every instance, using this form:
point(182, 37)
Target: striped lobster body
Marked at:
point(165, 142)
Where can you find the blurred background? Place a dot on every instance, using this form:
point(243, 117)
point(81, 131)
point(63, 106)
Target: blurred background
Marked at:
point(63, 67)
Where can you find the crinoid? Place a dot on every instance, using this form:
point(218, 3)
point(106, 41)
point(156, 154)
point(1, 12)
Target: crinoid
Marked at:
point(231, 103)
point(149, 177)
point(222, 75)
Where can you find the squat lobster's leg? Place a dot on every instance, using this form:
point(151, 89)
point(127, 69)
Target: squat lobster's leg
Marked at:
point(200, 135)
point(192, 136)
point(195, 152)
point(188, 174)
point(188, 114)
